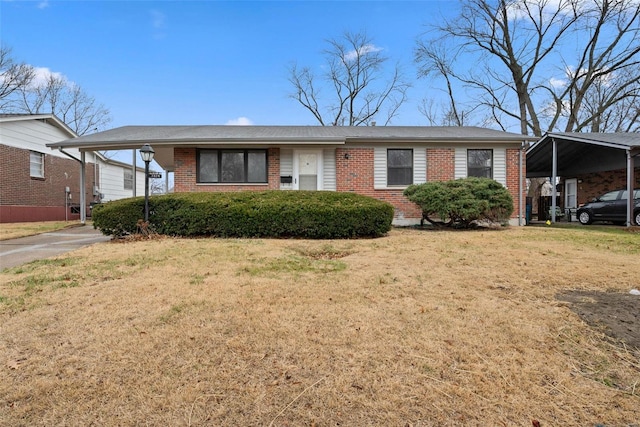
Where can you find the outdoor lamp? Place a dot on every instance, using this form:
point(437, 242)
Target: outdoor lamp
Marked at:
point(146, 152)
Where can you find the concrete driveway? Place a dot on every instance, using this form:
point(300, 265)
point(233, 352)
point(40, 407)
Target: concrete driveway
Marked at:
point(15, 252)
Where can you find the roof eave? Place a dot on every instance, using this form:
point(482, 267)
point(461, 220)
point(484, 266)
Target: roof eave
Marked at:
point(51, 118)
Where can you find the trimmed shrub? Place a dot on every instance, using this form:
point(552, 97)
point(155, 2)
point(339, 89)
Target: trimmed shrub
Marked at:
point(307, 214)
point(462, 202)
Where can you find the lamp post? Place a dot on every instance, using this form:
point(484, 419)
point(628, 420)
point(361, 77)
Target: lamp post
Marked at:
point(146, 152)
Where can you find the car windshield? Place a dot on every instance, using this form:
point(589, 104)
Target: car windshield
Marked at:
point(609, 197)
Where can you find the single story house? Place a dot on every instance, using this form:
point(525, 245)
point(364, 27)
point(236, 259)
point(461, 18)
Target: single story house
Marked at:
point(375, 161)
point(39, 184)
point(586, 165)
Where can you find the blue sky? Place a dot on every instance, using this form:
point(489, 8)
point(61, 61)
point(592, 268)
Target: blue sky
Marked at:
point(206, 62)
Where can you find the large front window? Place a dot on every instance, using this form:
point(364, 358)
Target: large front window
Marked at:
point(232, 166)
point(399, 167)
point(480, 163)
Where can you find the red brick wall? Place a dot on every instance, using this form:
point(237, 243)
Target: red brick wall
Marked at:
point(513, 178)
point(185, 173)
point(440, 164)
point(595, 184)
point(356, 175)
point(39, 199)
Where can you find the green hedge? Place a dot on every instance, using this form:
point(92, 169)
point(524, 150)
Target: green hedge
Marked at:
point(462, 202)
point(307, 214)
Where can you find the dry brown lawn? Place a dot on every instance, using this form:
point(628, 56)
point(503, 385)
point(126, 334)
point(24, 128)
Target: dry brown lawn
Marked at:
point(23, 229)
point(419, 328)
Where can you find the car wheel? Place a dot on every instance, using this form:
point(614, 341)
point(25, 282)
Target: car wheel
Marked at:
point(637, 217)
point(585, 218)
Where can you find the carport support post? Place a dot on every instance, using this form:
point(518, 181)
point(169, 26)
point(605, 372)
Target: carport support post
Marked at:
point(554, 178)
point(133, 169)
point(83, 179)
point(630, 180)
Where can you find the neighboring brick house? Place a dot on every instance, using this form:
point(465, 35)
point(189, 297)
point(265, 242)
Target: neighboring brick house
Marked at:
point(586, 164)
point(375, 161)
point(40, 184)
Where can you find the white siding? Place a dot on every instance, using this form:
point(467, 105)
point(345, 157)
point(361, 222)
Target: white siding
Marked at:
point(34, 135)
point(419, 165)
point(500, 165)
point(460, 163)
point(112, 182)
point(380, 167)
point(329, 172)
point(286, 166)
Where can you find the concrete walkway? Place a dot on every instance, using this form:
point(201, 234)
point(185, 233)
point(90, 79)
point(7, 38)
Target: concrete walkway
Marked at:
point(15, 252)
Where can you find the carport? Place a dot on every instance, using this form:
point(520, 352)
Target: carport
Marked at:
point(571, 153)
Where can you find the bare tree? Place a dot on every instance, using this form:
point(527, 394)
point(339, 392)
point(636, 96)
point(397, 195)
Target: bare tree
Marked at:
point(542, 65)
point(359, 88)
point(23, 91)
point(516, 46)
point(67, 101)
point(435, 60)
point(13, 76)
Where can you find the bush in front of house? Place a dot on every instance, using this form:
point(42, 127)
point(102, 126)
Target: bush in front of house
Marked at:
point(305, 214)
point(462, 202)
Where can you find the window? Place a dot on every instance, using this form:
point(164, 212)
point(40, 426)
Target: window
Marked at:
point(36, 164)
point(611, 196)
point(399, 167)
point(232, 166)
point(480, 163)
point(128, 179)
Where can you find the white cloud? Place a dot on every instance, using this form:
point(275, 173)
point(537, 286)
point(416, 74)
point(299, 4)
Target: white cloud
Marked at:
point(158, 19)
point(367, 48)
point(240, 121)
point(43, 74)
point(557, 83)
point(43, 4)
point(158, 23)
point(517, 10)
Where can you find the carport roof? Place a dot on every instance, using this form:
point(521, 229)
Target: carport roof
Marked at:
point(579, 153)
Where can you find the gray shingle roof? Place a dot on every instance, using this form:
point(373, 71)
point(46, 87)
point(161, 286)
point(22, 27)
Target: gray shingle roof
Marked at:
point(134, 136)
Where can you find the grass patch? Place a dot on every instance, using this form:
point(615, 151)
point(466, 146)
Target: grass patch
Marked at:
point(416, 328)
point(295, 265)
point(324, 251)
point(38, 264)
point(24, 229)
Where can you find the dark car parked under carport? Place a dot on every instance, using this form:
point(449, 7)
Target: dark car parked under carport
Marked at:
point(611, 206)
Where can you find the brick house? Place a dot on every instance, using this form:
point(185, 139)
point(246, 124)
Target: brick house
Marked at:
point(586, 164)
point(39, 184)
point(375, 161)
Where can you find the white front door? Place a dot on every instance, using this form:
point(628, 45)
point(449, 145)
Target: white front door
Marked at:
point(571, 193)
point(307, 170)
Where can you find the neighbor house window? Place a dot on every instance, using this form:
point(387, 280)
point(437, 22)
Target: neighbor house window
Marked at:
point(232, 166)
point(480, 163)
point(36, 165)
point(128, 179)
point(399, 167)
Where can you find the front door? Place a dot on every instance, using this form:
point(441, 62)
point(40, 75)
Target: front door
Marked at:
point(307, 170)
point(571, 193)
